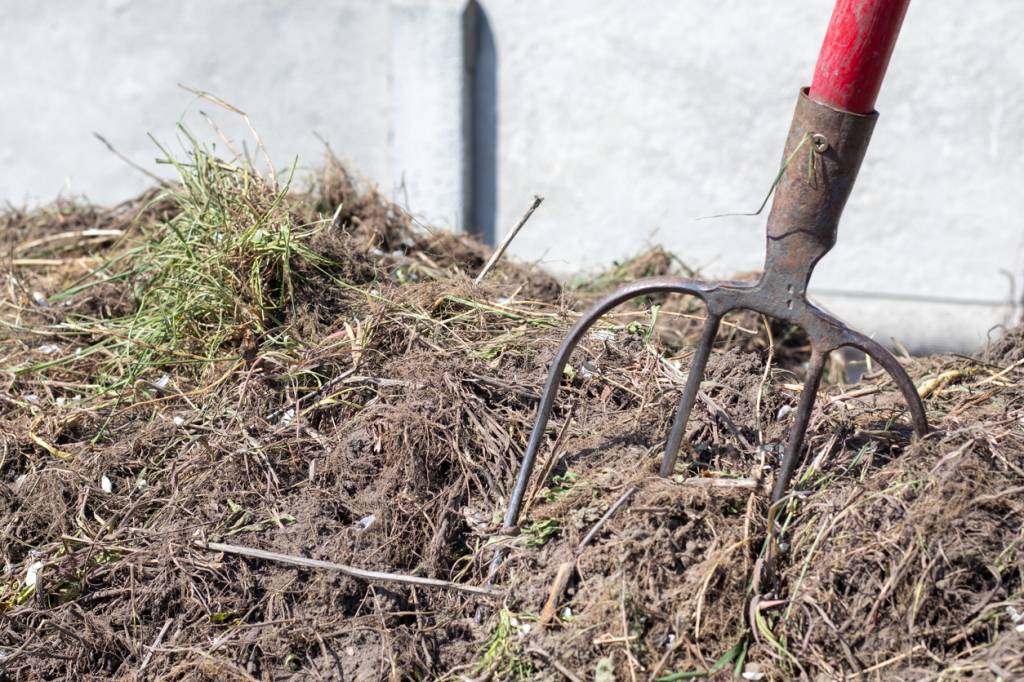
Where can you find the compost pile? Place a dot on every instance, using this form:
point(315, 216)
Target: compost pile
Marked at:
point(310, 372)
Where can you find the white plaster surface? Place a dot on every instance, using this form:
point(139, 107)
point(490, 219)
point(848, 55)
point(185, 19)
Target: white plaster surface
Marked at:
point(631, 118)
point(72, 68)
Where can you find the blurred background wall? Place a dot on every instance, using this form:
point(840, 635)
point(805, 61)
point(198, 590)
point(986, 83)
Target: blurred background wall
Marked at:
point(632, 119)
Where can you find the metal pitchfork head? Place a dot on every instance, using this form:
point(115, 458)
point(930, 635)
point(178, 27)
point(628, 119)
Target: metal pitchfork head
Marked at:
point(809, 198)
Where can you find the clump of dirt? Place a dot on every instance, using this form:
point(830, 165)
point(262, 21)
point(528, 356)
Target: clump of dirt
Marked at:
point(1007, 348)
point(375, 417)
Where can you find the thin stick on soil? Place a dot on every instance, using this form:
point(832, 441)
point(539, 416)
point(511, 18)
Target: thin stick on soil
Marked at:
point(351, 571)
point(555, 663)
point(552, 461)
point(334, 381)
point(558, 586)
point(730, 483)
point(564, 572)
point(588, 538)
point(68, 235)
point(498, 252)
point(37, 262)
point(625, 626)
point(155, 644)
point(679, 640)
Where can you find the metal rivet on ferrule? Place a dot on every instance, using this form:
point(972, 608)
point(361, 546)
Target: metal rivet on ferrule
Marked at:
point(820, 143)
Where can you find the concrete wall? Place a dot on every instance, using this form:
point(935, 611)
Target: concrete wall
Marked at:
point(72, 68)
point(632, 119)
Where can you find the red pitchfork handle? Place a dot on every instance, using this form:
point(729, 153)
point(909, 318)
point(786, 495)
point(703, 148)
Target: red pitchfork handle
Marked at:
point(855, 54)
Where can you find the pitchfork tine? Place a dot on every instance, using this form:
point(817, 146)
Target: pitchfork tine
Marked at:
point(648, 287)
point(815, 369)
point(891, 365)
point(696, 374)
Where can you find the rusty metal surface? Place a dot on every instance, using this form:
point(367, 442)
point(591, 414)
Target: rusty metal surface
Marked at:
point(822, 155)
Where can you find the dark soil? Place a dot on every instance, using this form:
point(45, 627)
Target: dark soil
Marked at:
point(387, 435)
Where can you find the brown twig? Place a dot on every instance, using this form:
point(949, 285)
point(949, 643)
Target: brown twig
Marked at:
point(558, 586)
point(564, 572)
point(68, 235)
point(633, 663)
point(498, 252)
point(722, 482)
point(351, 571)
point(552, 461)
point(37, 262)
point(592, 533)
point(155, 644)
point(555, 663)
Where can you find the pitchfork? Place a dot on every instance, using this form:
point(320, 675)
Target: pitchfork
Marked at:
point(827, 141)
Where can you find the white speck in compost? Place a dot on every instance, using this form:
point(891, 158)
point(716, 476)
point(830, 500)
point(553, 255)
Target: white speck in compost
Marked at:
point(32, 575)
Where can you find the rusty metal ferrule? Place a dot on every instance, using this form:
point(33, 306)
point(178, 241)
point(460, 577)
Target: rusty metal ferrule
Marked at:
point(822, 155)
